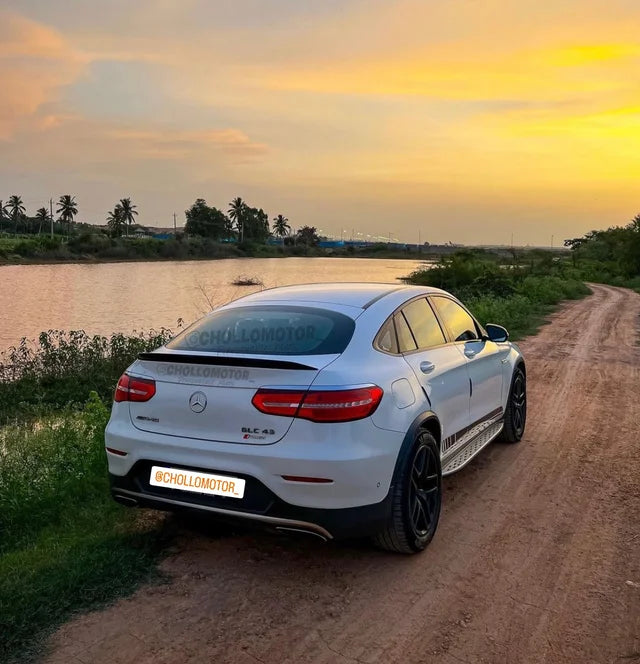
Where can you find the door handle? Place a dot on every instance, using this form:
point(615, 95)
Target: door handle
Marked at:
point(469, 353)
point(427, 367)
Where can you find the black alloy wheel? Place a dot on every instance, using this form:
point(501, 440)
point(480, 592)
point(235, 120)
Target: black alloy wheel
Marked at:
point(515, 417)
point(416, 498)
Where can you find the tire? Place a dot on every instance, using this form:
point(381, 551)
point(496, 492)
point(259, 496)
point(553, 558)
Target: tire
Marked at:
point(515, 416)
point(416, 499)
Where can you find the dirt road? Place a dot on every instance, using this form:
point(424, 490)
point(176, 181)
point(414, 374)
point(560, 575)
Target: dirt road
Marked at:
point(537, 557)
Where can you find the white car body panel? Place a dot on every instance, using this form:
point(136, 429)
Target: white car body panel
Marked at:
point(446, 385)
point(228, 392)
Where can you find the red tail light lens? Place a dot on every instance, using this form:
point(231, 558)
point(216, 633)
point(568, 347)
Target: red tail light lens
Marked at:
point(320, 405)
point(130, 388)
point(340, 405)
point(278, 402)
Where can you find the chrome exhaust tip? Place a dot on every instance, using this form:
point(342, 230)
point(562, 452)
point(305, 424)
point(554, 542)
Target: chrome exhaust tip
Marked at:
point(301, 531)
point(125, 500)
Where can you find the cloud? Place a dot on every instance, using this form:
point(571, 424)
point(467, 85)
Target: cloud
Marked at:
point(35, 63)
point(181, 144)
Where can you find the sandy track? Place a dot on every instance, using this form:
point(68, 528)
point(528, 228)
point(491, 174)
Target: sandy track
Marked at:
point(537, 557)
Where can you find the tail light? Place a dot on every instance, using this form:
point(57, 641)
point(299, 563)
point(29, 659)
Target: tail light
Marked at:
point(319, 405)
point(130, 388)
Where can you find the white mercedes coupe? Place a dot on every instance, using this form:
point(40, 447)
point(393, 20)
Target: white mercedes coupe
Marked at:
point(331, 409)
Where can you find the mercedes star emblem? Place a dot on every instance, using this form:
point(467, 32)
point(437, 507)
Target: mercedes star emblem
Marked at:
point(198, 402)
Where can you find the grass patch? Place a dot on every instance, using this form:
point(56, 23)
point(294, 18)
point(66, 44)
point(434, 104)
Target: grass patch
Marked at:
point(519, 297)
point(65, 545)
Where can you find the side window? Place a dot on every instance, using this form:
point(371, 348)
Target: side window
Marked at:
point(424, 324)
point(460, 324)
point(386, 338)
point(406, 341)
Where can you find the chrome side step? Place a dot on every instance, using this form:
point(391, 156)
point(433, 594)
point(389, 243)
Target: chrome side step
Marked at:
point(461, 457)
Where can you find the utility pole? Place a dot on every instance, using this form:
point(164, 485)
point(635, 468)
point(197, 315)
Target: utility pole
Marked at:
point(175, 230)
point(51, 215)
point(552, 241)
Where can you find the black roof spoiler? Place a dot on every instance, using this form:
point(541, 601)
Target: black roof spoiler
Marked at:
point(260, 363)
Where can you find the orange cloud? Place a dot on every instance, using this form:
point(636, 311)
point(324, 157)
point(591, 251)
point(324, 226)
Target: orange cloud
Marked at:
point(179, 144)
point(35, 62)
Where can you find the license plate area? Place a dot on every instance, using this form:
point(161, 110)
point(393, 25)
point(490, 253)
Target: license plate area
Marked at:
point(194, 481)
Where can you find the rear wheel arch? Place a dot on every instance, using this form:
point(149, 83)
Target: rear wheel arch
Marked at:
point(426, 420)
point(432, 425)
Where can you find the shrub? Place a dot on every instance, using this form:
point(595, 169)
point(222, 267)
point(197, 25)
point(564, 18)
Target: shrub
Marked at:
point(61, 368)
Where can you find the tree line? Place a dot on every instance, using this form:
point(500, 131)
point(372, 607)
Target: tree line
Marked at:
point(615, 251)
point(13, 214)
point(241, 222)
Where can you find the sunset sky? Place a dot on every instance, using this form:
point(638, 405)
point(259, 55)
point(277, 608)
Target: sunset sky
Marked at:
point(467, 119)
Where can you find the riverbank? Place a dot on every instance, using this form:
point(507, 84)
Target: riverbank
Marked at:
point(95, 249)
point(91, 260)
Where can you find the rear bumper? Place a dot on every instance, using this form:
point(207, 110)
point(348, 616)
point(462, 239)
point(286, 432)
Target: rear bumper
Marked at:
point(260, 507)
point(357, 457)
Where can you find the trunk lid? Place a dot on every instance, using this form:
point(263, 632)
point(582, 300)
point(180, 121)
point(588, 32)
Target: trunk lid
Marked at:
point(208, 397)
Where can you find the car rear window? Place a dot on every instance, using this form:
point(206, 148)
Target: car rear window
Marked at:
point(272, 330)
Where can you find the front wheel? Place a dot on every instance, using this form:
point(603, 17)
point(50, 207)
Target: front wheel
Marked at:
point(417, 497)
point(515, 416)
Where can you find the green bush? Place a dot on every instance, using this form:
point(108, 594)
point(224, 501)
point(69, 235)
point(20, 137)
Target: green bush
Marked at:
point(61, 368)
point(89, 243)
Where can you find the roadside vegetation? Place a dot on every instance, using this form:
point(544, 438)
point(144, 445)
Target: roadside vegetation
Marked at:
point(64, 544)
point(516, 295)
point(517, 289)
point(609, 257)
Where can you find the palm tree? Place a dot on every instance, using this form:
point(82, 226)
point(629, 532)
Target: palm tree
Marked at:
point(128, 211)
point(42, 215)
point(16, 210)
point(67, 209)
point(281, 226)
point(236, 214)
point(115, 221)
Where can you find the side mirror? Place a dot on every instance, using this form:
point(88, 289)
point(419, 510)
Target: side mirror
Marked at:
point(496, 333)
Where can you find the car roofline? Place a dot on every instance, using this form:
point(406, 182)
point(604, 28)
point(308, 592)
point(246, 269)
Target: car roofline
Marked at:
point(392, 288)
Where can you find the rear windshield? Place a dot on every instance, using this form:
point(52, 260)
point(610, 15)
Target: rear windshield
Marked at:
point(275, 330)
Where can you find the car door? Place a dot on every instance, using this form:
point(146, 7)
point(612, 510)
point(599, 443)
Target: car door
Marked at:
point(438, 365)
point(483, 358)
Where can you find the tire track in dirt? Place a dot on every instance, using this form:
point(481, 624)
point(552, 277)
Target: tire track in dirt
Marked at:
point(530, 563)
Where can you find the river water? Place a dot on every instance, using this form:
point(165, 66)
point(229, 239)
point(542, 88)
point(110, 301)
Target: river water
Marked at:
point(123, 297)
